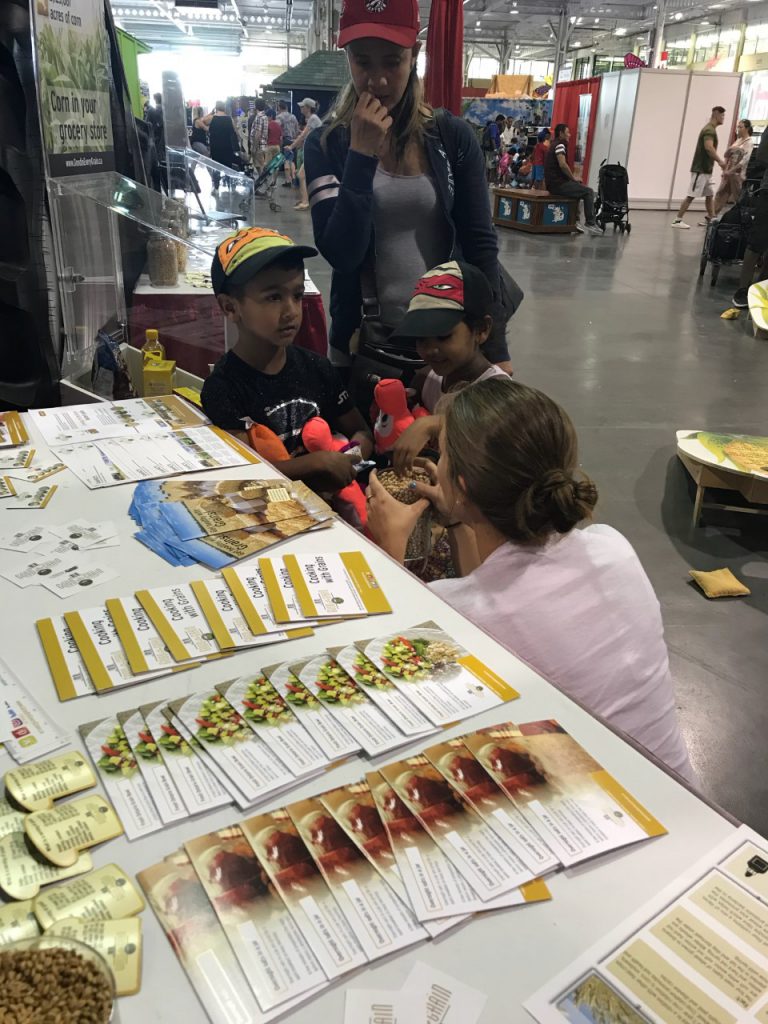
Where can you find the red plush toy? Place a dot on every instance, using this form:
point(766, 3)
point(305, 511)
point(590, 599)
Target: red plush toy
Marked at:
point(349, 502)
point(394, 415)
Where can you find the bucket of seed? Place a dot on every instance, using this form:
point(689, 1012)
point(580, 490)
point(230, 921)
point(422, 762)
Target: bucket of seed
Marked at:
point(55, 981)
point(420, 541)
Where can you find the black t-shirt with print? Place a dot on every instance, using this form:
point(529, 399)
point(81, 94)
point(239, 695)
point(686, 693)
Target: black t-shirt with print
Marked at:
point(306, 386)
point(553, 172)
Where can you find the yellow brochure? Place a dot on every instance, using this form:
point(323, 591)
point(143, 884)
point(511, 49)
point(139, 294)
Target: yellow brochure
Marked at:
point(334, 585)
point(178, 618)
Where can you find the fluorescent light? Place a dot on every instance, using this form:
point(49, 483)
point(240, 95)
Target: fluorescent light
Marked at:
point(597, 20)
point(577, 43)
point(677, 16)
point(620, 32)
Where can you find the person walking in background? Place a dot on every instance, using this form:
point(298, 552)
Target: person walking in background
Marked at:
point(198, 138)
point(705, 157)
point(560, 181)
point(274, 136)
point(540, 151)
point(491, 145)
point(290, 129)
point(308, 108)
point(225, 146)
point(257, 139)
point(736, 160)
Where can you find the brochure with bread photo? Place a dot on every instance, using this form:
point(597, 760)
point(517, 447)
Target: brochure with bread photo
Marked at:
point(265, 501)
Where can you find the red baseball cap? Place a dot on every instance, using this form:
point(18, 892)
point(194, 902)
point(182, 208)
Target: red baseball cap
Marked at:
point(397, 21)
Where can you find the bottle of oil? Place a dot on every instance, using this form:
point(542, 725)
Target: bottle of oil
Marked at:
point(152, 350)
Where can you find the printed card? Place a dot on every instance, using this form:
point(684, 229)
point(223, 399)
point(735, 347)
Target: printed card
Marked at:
point(434, 994)
point(84, 535)
point(227, 622)
point(382, 691)
point(247, 587)
point(198, 787)
point(7, 487)
point(60, 835)
point(236, 794)
point(70, 676)
point(372, 1005)
point(578, 808)
point(273, 721)
point(106, 894)
point(478, 854)
point(99, 644)
point(237, 750)
point(38, 498)
point(144, 648)
point(257, 503)
point(41, 472)
point(292, 870)
point(18, 921)
point(382, 923)
point(444, 681)
point(222, 549)
point(36, 571)
point(177, 616)
point(344, 699)
point(37, 785)
point(119, 775)
point(12, 430)
point(322, 586)
point(23, 872)
point(332, 738)
point(276, 958)
point(26, 540)
point(18, 458)
point(72, 581)
point(11, 818)
point(118, 942)
point(25, 729)
point(146, 753)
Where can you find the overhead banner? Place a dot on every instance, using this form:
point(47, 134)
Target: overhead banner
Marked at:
point(73, 83)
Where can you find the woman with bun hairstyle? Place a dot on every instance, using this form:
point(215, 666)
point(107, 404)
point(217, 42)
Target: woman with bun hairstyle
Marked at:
point(575, 604)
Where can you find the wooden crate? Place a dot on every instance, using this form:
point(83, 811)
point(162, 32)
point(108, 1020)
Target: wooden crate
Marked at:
point(537, 212)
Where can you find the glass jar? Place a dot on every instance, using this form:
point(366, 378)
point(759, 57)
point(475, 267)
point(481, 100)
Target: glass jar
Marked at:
point(419, 544)
point(162, 262)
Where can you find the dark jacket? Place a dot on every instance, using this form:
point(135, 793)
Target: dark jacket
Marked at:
point(340, 186)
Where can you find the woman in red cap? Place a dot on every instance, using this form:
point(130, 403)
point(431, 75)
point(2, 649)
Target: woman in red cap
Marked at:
point(395, 188)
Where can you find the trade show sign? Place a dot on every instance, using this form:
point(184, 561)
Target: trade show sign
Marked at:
point(73, 85)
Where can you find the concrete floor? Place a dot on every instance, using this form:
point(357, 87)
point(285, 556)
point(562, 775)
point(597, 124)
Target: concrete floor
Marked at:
point(627, 337)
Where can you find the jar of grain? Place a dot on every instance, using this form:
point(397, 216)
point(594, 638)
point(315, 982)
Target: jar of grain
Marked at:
point(162, 262)
point(420, 542)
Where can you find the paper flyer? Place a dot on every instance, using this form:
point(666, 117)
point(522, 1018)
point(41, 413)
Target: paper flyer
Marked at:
point(223, 733)
point(334, 741)
point(257, 503)
point(177, 616)
point(275, 957)
point(307, 586)
point(577, 807)
point(144, 648)
point(228, 624)
point(220, 550)
point(100, 648)
point(354, 809)
point(696, 952)
point(119, 775)
point(395, 705)
point(72, 424)
point(343, 698)
point(273, 721)
point(382, 923)
point(189, 921)
point(67, 668)
point(25, 730)
point(38, 498)
point(458, 765)
point(443, 680)
point(236, 795)
point(485, 861)
point(292, 870)
point(20, 458)
point(198, 788)
point(12, 430)
point(435, 888)
point(247, 587)
point(146, 754)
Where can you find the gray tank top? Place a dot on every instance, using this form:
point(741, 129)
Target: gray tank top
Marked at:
point(412, 236)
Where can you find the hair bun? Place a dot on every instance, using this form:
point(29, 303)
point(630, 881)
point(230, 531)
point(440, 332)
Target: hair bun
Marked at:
point(566, 500)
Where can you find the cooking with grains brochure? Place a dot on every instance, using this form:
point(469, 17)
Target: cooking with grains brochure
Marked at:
point(474, 849)
point(697, 951)
point(335, 585)
point(294, 873)
point(146, 753)
point(178, 618)
point(97, 640)
point(228, 624)
point(274, 955)
point(435, 888)
point(66, 665)
point(381, 922)
point(98, 421)
point(332, 738)
point(443, 680)
point(119, 775)
point(577, 807)
point(144, 648)
point(458, 765)
point(247, 586)
point(12, 430)
point(354, 809)
point(272, 720)
point(189, 921)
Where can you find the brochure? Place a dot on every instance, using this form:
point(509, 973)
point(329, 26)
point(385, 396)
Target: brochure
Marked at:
point(144, 648)
point(177, 616)
point(577, 807)
point(395, 705)
point(474, 849)
point(292, 870)
point(146, 753)
point(334, 585)
point(247, 586)
point(275, 957)
point(273, 721)
point(332, 738)
point(228, 624)
point(189, 921)
point(119, 775)
point(458, 765)
point(696, 952)
point(100, 648)
point(354, 808)
point(224, 549)
point(340, 695)
point(435, 888)
point(256, 503)
point(198, 787)
point(382, 923)
point(443, 680)
point(70, 676)
point(239, 753)
point(25, 730)
point(12, 430)
point(72, 424)
point(19, 458)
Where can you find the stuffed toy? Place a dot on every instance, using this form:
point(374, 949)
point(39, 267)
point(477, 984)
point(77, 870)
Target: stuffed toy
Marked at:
point(349, 502)
point(394, 416)
point(266, 443)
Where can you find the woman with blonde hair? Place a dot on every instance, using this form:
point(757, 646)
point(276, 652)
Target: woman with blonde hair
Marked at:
point(575, 604)
point(395, 188)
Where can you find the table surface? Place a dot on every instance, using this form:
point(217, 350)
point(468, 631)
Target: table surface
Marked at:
point(508, 954)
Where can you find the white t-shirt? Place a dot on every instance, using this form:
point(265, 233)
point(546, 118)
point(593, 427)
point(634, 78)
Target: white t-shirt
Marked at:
point(432, 388)
point(583, 613)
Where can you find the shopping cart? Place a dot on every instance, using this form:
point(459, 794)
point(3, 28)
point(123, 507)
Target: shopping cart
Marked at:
point(266, 182)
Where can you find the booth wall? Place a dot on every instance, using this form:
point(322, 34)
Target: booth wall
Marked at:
point(655, 146)
point(604, 122)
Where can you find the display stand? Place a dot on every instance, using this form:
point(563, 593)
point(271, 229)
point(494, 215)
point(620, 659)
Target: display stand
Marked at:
point(539, 213)
point(706, 473)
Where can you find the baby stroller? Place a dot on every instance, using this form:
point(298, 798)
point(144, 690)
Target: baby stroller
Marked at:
point(726, 238)
point(266, 182)
point(612, 203)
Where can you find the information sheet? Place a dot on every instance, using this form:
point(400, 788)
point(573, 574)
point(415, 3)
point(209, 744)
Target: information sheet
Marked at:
point(97, 421)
